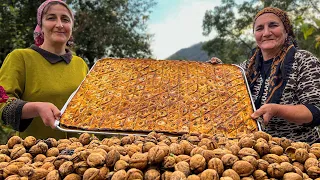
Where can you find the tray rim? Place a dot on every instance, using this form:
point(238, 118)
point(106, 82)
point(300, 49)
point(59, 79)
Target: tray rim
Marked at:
point(123, 133)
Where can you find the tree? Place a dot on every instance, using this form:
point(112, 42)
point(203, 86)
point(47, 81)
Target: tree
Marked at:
point(112, 28)
point(233, 23)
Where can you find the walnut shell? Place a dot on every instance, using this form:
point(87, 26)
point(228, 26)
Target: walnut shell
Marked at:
point(197, 150)
point(11, 169)
point(95, 160)
point(287, 167)
point(278, 150)
point(61, 159)
point(226, 178)
point(127, 140)
point(209, 174)
point(134, 173)
point(186, 146)
point(301, 155)
point(315, 151)
point(138, 160)
point(38, 173)
point(216, 164)
point(183, 167)
point(252, 160)
point(29, 141)
point(218, 153)
point(66, 168)
point(178, 175)
point(302, 145)
point(185, 158)
point(246, 142)
point(169, 162)
point(197, 163)
point(39, 158)
point(103, 173)
point(4, 150)
point(72, 176)
point(26, 170)
point(4, 158)
point(85, 138)
point(39, 148)
point(121, 164)
point(152, 174)
point(298, 171)
point(119, 175)
point(13, 141)
point(48, 166)
point(156, 155)
point(17, 152)
point(210, 145)
point(13, 177)
point(53, 175)
point(91, 174)
point(234, 148)
point(275, 170)
point(291, 176)
point(52, 152)
point(260, 175)
point(229, 159)
point(272, 158)
point(193, 177)
point(243, 168)
point(231, 173)
point(261, 134)
point(112, 157)
point(147, 146)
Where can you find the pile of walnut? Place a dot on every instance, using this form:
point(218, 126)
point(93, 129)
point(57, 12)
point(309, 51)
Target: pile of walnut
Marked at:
point(156, 156)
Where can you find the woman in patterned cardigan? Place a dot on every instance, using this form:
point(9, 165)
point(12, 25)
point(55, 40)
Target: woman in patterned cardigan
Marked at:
point(284, 80)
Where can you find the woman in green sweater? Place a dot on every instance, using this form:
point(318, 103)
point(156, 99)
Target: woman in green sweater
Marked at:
point(39, 79)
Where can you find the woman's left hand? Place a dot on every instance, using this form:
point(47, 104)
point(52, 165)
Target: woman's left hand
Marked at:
point(266, 111)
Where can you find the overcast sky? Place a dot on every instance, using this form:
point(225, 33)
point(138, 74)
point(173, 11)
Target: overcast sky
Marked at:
point(177, 24)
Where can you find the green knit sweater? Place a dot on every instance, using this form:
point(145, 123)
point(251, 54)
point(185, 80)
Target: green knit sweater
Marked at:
point(27, 75)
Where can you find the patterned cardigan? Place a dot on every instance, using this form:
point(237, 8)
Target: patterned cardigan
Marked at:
point(303, 87)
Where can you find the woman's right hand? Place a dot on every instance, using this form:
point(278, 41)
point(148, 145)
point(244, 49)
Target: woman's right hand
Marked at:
point(47, 111)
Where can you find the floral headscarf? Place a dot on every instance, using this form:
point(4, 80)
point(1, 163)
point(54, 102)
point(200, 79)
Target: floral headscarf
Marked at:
point(3, 96)
point(282, 62)
point(37, 33)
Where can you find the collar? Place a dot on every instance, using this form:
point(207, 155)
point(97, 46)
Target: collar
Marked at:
point(51, 57)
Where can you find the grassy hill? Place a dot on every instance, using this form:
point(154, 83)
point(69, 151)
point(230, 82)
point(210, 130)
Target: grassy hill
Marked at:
point(193, 52)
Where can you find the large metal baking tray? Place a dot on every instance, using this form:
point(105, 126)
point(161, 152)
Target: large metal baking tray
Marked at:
point(142, 132)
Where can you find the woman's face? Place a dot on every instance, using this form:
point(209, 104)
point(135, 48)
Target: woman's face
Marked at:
point(269, 32)
point(57, 25)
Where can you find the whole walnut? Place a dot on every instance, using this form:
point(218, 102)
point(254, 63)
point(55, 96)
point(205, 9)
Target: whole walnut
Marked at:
point(209, 174)
point(314, 150)
point(211, 145)
point(197, 150)
point(147, 146)
point(119, 175)
point(231, 173)
point(95, 160)
point(138, 160)
point(11, 169)
point(152, 174)
point(91, 174)
point(301, 155)
point(287, 167)
point(243, 168)
point(29, 141)
point(299, 165)
point(186, 146)
point(51, 142)
point(72, 176)
point(302, 145)
point(298, 171)
point(112, 157)
point(313, 172)
point(121, 164)
point(176, 149)
point(4, 150)
point(4, 158)
point(272, 158)
point(66, 168)
point(127, 140)
point(166, 175)
point(252, 160)
point(311, 162)
point(61, 159)
point(246, 142)
point(248, 152)
point(261, 134)
point(284, 143)
point(278, 150)
point(216, 164)
point(169, 162)
point(156, 155)
point(37, 164)
point(126, 158)
point(234, 148)
point(178, 175)
point(229, 159)
point(17, 152)
point(38, 173)
point(183, 167)
point(208, 154)
point(39, 157)
point(132, 148)
point(26, 170)
point(48, 166)
point(226, 178)
point(193, 177)
point(275, 170)
point(52, 152)
point(134, 173)
point(13, 141)
point(53, 175)
point(85, 138)
point(182, 157)
point(39, 148)
point(260, 175)
point(81, 167)
point(291, 176)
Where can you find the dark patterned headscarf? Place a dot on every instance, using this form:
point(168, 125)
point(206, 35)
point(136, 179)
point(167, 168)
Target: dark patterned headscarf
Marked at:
point(282, 62)
point(37, 33)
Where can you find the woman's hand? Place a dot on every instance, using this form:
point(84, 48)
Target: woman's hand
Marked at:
point(47, 111)
point(266, 111)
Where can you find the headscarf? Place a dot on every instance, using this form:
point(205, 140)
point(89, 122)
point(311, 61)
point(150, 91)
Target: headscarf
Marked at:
point(37, 33)
point(3, 96)
point(282, 62)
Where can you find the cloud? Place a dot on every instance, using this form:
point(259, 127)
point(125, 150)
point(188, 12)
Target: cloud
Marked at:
point(180, 29)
